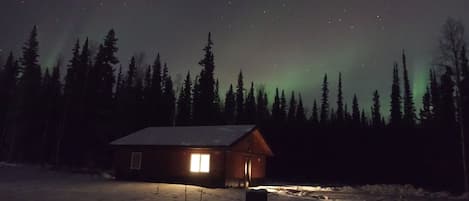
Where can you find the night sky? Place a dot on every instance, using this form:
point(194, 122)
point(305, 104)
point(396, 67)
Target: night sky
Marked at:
point(278, 43)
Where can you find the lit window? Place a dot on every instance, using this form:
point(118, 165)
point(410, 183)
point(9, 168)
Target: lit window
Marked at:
point(135, 160)
point(200, 163)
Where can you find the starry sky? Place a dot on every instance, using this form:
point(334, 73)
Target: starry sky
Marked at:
point(277, 43)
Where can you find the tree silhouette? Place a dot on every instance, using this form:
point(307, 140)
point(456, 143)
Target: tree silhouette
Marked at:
point(52, 99)
point(291, 116)
point(168, 98)
point(315, 114)
point(217, 104)
point(324, 102)
point(363, 120)
point(207, 85)
point(250, 106)
point(447, 111)
point(283, 108)
point(451, 55)
point(155, 96)
point(8, 83)
point(355, 112)
point(240, 107)
point(262, 106)
point(230, 106)
point(376, 119)
point(426, 115)
point(276, 113)
point(29, 89)
point(409, 108)
point(300, 112)
point(184, 103)
point(396, 111)
point(340, 102)
point(435, 98)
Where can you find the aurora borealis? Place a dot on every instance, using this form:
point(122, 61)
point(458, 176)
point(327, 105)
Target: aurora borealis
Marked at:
point(277, 43)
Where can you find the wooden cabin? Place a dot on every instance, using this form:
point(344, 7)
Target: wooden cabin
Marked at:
point(218, 156)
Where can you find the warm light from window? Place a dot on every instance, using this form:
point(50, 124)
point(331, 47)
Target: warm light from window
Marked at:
point(200, 163)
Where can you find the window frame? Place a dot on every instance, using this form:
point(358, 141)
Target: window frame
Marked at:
point(202, 165)
point(136, 160)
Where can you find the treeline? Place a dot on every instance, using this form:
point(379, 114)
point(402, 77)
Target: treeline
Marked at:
point(68, 117)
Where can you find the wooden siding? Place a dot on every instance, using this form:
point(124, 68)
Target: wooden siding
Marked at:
point(169, 165)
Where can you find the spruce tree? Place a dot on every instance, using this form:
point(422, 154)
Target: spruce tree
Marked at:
point(250, 108)
point(396, 111)
point(291, 116)
point(196, 108)
point(156, 91)
point(8, 83)
point(217, 105)
point(315, 114)
point(147, 105)
point(262, 106)
point(184, 103)
point(347, 116)
point(52, 99)
point(340, 102)
point(447, 111)
point(207, 85)
point(240, 106)
point(283, 108)
point(363, 119)
point(29, 86)
point(324, 102)
point(300, 112)
point(230, 106)
point(355, 112)
point(426, 115)
point(168, 98)
point(409, 108)
point(276, 108)
point(119, 84)
point(376, 119)
point(435, 96)
point(131, 75)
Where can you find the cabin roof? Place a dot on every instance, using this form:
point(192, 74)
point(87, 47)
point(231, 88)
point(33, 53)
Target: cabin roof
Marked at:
point(195, 136)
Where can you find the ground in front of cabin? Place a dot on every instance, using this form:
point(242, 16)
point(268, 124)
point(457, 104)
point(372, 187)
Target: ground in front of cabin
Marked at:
point(29, 183)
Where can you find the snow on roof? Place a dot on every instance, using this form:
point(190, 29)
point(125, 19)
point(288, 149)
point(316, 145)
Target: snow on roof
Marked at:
point(186, 136)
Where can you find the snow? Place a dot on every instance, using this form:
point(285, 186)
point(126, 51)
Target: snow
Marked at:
point(186, 136)
point(25, 183)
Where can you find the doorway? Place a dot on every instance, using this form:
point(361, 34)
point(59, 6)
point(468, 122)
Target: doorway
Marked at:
point(247, 172)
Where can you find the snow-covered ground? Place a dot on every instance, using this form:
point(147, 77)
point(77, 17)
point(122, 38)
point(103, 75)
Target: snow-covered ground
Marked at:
point(28, 183)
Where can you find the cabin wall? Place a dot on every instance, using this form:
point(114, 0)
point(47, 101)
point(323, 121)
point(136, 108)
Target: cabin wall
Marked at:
point(250, 147)
point(169, 164)
point(235, 172)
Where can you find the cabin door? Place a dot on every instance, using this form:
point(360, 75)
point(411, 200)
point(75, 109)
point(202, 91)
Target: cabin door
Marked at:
point(247, 172)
